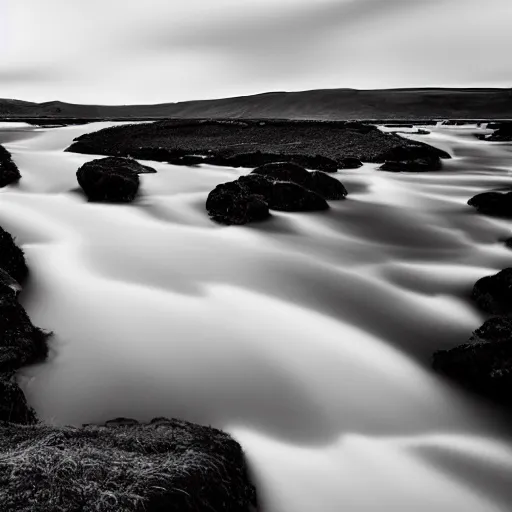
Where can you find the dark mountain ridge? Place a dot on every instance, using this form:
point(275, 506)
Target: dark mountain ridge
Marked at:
point(327, 104)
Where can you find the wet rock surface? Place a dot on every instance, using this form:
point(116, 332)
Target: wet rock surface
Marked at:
point(493, 294)
point(503, 132)
point(493, 203)
point(484, 363)
point(413, 159)
point(281, 186)
point(317, 181)
point(111, 179)
point(9, 172)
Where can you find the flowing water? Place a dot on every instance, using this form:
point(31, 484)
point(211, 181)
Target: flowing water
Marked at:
point(308, 337)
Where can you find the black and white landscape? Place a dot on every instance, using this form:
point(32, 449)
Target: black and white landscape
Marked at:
point(250, 300)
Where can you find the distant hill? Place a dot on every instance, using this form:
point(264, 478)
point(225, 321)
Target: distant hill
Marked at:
point(330, 104)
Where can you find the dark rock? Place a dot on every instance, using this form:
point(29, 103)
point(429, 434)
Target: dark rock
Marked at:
point(484, 364)
point(420, 131)
point(317, 181)
point(508, 242)
point(13, 404)
point(230, 203)
point(283, 195)
point(8, 283)
point(290, 197)
point(110, 179)
point(171, 466)
point(326, 186)
point(9, 172)
point(498, 328)
point(493, 203)
point(12, 259)
point(249, 198)
point(350, 163)
point(21, 343)
point(502, 134)
point(413, 159)
point(494, 293)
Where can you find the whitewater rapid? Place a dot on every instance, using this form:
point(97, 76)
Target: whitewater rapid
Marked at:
point(308, 337)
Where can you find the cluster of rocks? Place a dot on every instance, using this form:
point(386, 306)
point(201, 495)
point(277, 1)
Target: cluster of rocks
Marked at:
point(283, 186)
point(21, 343)
point(484, 363)
point(111, 179)
point(9, 172)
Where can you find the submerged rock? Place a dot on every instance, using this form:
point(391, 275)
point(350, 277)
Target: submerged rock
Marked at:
point(13, 404)
point(484, 364)
point(168, 465)
point(493, 203)
point(9, 172)
point(316, 181)
point(110, 179)
point(12, 259)
point(494, 293)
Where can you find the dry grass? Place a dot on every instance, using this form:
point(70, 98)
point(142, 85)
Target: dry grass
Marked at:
point(168, 465)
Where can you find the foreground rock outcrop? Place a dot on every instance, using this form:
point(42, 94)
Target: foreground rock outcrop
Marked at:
point(323, 146)
point(484, 363)
point(9, 172)
point(493, 294)
point(493, 203)
point(282, 186)
point(111, 179)
point(167, 465)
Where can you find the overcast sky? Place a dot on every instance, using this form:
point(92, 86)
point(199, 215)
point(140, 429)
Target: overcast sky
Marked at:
point(132, 51)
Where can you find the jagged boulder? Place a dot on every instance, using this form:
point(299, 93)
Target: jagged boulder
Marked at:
point(484, 364)
point(493, 203)
point(167, 465)
point(110, 179)
point(494, 293)
point(317, 181)
point(9, 172)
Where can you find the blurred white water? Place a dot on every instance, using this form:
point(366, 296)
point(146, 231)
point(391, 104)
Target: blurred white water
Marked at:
point(308, 337)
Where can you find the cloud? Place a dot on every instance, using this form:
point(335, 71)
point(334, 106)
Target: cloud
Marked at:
point(115, 51)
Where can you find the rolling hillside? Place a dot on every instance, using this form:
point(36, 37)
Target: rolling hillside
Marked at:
point(332, 104)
